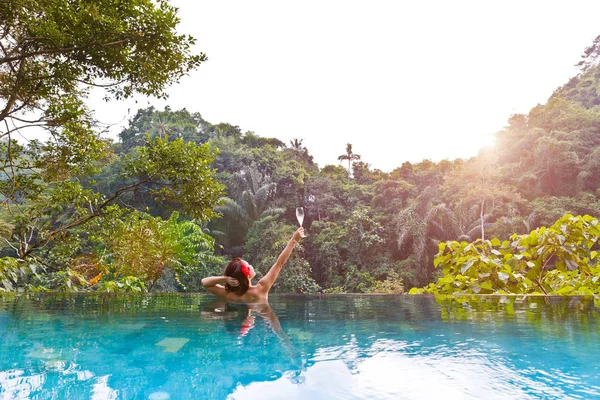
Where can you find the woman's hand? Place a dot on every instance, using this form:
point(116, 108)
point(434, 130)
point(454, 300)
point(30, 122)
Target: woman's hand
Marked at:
point(232, 281)
point(298, 234)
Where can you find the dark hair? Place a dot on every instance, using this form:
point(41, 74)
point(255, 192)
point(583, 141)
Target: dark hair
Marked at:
point(234, 270)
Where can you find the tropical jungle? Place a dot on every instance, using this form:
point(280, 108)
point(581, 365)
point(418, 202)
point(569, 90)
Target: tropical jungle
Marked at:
point(173, 197)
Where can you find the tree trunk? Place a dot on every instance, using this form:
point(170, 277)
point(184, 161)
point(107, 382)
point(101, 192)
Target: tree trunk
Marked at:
point(481, 217)
point(348, 171)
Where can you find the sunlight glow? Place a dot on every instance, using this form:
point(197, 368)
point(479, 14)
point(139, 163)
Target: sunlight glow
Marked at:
point(401, 81)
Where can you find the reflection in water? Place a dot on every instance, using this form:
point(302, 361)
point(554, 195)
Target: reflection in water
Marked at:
point(14, 384)
point(101, 390)
point(240, 318)
point(398, 375)
point(328, 347)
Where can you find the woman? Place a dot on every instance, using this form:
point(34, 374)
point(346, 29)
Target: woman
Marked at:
point(236, 282)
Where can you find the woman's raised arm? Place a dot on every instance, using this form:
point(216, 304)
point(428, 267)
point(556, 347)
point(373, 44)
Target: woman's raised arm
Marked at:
point(267, 281)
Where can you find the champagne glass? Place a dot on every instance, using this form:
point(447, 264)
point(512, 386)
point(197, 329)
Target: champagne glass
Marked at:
point(300, 216)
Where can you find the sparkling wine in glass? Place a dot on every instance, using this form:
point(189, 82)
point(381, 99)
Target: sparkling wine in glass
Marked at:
point(300, 216)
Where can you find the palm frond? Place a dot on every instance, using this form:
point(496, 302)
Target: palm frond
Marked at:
point(233, 211)
point(254, 178)
point(582, 177)
point(530, 221)
point(264, 194)
point(420, 245)
point(249, 205)
point(217, 234)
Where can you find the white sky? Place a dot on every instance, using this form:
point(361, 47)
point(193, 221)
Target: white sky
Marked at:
point(400, 80)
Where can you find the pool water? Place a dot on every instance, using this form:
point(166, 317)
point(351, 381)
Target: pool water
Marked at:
point(55, 346)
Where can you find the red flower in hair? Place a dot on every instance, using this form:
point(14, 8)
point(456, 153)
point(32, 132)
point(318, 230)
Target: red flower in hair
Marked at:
point(246, 270)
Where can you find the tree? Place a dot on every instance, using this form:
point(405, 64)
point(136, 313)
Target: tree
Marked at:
point(560, 260)
point(420, 227)
point(350, 156)
point(325, 193)
point(147, 125)
point(137, 245)
point(52, 53)
point(254, 141)
point(149, 121)
point(478, 185)
point(246, 204)
point(296, 144)
point(175, 172)
point(297, 148)
point(405, 172)
point(590, 55)
point(581, 89)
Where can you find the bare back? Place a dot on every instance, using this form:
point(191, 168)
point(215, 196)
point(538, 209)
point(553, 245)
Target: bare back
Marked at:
point(255, 294)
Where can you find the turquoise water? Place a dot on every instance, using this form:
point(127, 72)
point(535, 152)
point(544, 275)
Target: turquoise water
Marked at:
point(323, 347)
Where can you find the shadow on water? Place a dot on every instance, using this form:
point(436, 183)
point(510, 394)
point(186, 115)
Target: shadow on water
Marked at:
point(322, 346)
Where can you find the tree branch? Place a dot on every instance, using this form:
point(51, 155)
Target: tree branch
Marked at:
point(13, 96)
point(88, 217)
point(16, 129)
point(101, 85)
point(62, 50)
point(12, 247)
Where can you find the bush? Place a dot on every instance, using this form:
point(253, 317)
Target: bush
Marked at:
point(560, 260)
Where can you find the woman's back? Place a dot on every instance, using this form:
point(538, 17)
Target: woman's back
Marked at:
point(255, 294)
point(235, 285)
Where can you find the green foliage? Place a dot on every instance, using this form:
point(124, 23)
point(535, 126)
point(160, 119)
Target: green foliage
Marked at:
point(328, 251)
point(252, 194)
point(181, 172)
point(138, 245)
point(125, 284)
point(51, 222)
point(152, 123)
point(55, 44)
point(52, 53)
point(548, 209)
point(368, 231)
point(420, 226)
point(10, 273)
point(561, 115)
point(391, 195)
point(66, 280)
point(392, 285)
point(562, 260)
point(348, 253)
point(364, 237)
point(352, 280)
